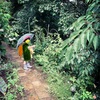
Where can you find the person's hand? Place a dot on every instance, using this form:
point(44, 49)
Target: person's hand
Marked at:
point(33, 46)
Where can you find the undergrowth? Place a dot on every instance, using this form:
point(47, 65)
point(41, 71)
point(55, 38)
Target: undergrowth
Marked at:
point(48, 60)
point(73, 81)
point(14, 91)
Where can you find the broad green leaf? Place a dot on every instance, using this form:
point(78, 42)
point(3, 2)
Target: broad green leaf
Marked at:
point(69, 53)
point(7, 16)
point(97, 26)
point(79, 25)
point(80, 18)
point(72, 37)
point(87, 1)
point(76, 44)
point(76, 33)
point(62, 53)
point(96, 42)
point(88, 35)
point(83, 40)
point(63, 62)
point(91, 6)
point(88, 16)
point(92, 35)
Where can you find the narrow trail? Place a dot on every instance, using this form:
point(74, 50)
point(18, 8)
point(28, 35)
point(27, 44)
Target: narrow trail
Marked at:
point(33, 81)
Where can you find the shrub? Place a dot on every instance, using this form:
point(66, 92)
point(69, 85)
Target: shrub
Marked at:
point(4, 25)
point(10, 75)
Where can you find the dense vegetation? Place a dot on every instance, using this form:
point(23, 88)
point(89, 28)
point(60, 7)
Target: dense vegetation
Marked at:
point(7, 70)
point(4, 25)
point(14, 89)
point(67, 39)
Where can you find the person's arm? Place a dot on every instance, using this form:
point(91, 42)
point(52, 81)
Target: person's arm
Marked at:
point(31, 48)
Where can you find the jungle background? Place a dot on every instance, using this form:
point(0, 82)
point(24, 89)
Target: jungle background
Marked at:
point(67, 39)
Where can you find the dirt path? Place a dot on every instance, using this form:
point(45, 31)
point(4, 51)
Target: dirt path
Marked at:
point(33, 81)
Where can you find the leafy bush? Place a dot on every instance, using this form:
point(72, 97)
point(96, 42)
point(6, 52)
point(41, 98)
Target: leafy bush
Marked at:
point(14, 90)
point(80, 51)
point(55, 14)
point(78, 56)
point(7, 34)
point(59, 84)
point(47, 48)
point(4, 25)
point(85, 32)
point(46, 55)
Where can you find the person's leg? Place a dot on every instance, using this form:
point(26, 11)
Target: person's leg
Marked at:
point(28, 65)
point(25, 65)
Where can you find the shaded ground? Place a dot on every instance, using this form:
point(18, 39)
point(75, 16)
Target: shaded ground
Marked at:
point(33, 80)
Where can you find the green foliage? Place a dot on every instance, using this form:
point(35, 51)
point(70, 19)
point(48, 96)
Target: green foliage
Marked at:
point(6, 33)
point(47, 48)
point(12, 79)
point(59, 84)
point(85, 32)
point(22, 1)
point(41, 14)
point(78, 56)
point(4, 24)
point(13, 87)
point(80, 86)
point(96, 42)
point(71, 63)
point(46, 55)
point(80, 50)
point(24, 19)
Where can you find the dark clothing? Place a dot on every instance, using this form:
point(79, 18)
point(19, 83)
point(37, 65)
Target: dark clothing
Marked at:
point(26, 52)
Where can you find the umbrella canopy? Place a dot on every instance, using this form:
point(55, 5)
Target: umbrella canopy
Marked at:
point(23, 38)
